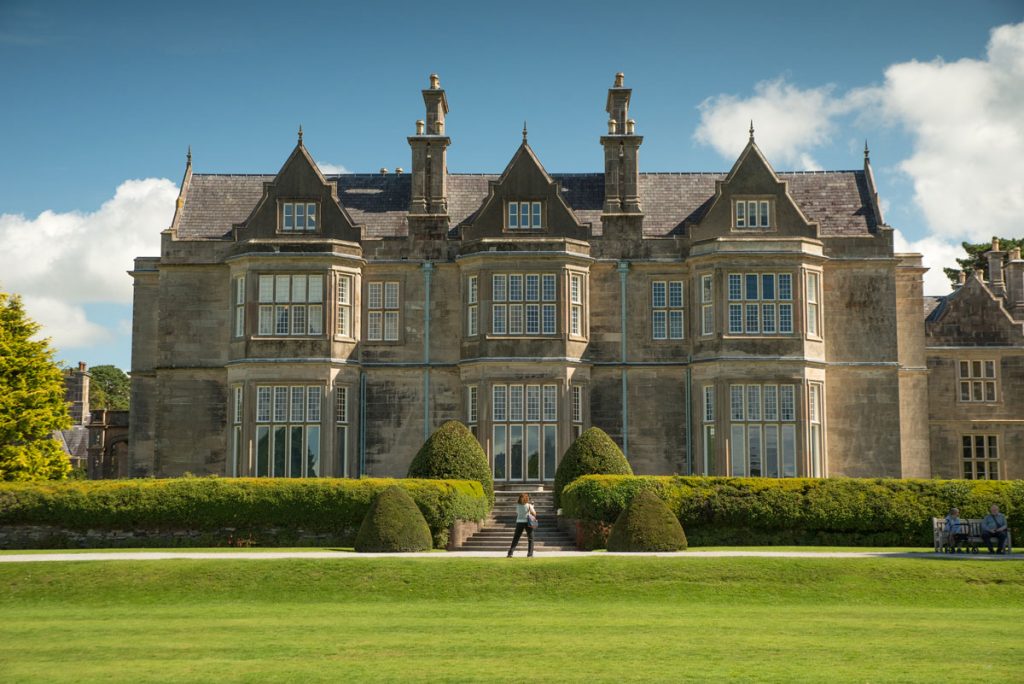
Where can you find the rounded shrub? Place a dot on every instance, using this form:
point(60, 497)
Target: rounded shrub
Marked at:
point(593, 453)
point(452, 453)
point(393, 523)
point(647, 524)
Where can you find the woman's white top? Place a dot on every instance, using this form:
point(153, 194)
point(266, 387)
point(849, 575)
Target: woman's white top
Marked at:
point(522, 510)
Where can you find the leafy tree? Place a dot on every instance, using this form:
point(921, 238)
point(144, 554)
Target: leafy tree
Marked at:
point(976, 259)
point(452, 453)
point(593, 453)
point(32, 404)
point(109, 388)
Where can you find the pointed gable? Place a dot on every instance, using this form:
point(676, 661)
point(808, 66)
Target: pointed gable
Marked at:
point(972, 316)
point(753, 184)
point(298, 185)
point(525, 180)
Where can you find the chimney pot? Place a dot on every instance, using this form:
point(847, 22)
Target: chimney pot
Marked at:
point(435, 82)
point(420, 127)
point(995, 244)
point(399, 170)
point(612, 126)
point(620, 79)
point(81, 366)
point(630, 126)
point(383, 170)
point(1015, 254)
point(962, 277)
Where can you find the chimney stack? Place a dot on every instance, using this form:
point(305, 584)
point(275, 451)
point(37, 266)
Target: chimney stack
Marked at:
point(621, 153)
point(1014, 282)
point(429, 196)
point(995, 269)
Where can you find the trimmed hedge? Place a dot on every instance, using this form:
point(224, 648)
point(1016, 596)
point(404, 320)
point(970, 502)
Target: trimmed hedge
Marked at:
point(262, 511)
point(647, 524)
point(453, 453)
point(592, 453)
point(760, 511)
point(393, 524)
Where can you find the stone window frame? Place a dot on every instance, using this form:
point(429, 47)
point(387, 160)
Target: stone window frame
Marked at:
point(516, 412)
point(762, 409)
point(707, 304)
point(472, 305)
point(238, 295)
point(341, 427)
point(288, 208)
point(980, 379)
point(765, 208)
point(278, 415)
point(385, 308)
point(535, 214)
point(979, 456)
point(738, 299)
point(666, 309)
point(272, 303)
point(813, 317)
point(512, 309)
point(344, 299)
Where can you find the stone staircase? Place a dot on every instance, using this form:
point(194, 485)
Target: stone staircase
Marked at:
point(497, 534)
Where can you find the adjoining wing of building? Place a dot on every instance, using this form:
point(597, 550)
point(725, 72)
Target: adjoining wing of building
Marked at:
point(752, 323)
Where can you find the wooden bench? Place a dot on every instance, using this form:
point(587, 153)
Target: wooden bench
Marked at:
point(971, 527)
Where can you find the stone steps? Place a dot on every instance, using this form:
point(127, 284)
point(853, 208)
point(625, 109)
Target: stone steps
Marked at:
point(497, 534)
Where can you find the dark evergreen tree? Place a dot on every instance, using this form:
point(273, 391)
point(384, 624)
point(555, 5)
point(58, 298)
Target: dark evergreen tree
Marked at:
point(976, 259)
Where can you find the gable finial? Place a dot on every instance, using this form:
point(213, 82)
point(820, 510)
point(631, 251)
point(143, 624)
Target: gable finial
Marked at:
point(524, 130)
point(300, 134)
point(867, 153)
point(751, 130)
point(188, 157)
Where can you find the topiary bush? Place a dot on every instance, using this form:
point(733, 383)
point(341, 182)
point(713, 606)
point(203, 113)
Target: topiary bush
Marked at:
point(727, 511)
point(593, 453)
point(393, 524)
point(647, 524)
point(453, 453)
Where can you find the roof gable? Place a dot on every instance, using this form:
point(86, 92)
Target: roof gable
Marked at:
point(524, 179)
point(972, 316)
point(300, 180)
point(752, 177)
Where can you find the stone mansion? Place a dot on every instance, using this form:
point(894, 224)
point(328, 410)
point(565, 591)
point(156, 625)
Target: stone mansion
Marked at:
point(751, 323)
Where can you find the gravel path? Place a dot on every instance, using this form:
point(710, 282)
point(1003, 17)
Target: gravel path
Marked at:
point(344, 555)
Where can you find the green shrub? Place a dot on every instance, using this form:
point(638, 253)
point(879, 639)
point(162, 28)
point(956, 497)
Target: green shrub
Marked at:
point(267, 511)
point(393, 524)
point(453, 453)
point(593, 453)
point(763, 511)
point(646, 524)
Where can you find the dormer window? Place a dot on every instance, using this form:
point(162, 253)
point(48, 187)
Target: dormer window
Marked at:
point(525, 215)
point(752, 214)
point(298, 217)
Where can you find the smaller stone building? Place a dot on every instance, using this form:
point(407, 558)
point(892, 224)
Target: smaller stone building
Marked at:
point(974, 344)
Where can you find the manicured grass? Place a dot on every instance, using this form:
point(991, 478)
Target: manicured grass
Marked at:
point(560, 619)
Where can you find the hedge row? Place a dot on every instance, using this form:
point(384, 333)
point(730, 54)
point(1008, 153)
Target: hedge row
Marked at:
point(761, 511)
point(331, 509)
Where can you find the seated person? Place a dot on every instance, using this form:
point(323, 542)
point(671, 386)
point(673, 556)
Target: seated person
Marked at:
point(956, 532)
point(994, 527)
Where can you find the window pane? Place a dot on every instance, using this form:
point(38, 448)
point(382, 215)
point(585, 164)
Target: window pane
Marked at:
point(498, 287)
point(263, 451)
point(280, 404)
point(550, 402)
point(787, 403)
point(280, 452)
point(313, 404)
point(550, 451)
point(707, 319)
point(299, 288)
point(390, 326)
point(752, 318)
point(785, 318)
point(675, 293)
point(965, 369)
point(549, 287)
point(789, 451)
point(736, 401)
point(533, 403)
point(315, 291)
point(533, 452)
point(499, 449)
point(754, 450)
point(577, 404)
point(990, 369)
point(282, 284)
point(753, 402)
point(298, 408)
point(390, 295)
point(536, 214)
point(576, 289)
point(976, 386)
point(316, 318)
point(709, 404)
point(785, 286)
point(263, 404)
point(659, 325)
point(300, 216)
point(515, 403)
point(266, 323)
point(515, 287)
point(313, 451)
point(751, 214)
point(375, 295)
point(768, 318)
point(675, 325)
point(499, 399)
point(575, 319)
point(771, 450)
point(374, 326)
point(532, 288)
point(266, 289)
point(735, 318)
point(768, 286)
point(741, 214)
point(771, 402)
point(295, 451)
point(706, 284)
point(513, 214)
point(735, 286)
point(990, 391)
point(812, 319)
point(737, 452)
point(341, 405)
point(549, 319)
point(471, 290)
point(515, 319)
point(471, 321)
point(658, 294)
point(524, 214)
point(515, 447)
point(498, 317)
point(993, 452)
point(975, 369)
point(298, 320)
point(281, 314)
point(764, 214)
point(750, 290)
point(965, 391)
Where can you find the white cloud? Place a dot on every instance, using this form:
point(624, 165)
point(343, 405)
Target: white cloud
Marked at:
point(58, 261)
point(788, 122)
point(937, 253)
point(329, 169)
point(967, 165)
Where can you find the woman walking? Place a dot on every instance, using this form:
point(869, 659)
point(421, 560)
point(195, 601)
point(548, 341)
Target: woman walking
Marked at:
point(526, 519)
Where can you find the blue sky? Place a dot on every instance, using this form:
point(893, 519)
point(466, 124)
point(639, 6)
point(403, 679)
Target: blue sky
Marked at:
point(104, 98)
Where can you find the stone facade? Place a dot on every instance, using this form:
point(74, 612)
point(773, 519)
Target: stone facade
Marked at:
point(749, 322)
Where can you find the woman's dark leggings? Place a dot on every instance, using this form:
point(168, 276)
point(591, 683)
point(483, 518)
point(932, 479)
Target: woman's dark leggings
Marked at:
point(519, 533)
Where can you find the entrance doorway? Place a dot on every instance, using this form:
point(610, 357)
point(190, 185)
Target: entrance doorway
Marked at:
point(524, 453)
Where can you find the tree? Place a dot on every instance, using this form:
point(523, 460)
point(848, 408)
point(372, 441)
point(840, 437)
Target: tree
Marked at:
point(593, 453)
point(976, 258)
point(452, 453)
point(109, 388)
point(32, 404)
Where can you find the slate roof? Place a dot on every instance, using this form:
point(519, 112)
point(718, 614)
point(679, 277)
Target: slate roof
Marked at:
point(74, 442)
point(837, 200)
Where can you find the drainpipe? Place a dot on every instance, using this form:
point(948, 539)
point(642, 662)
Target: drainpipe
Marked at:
point(362, 423)
point(623, 270)
point(689, 415)
point(428, 272)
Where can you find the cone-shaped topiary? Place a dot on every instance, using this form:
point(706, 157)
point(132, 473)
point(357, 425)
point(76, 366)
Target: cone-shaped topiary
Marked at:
point(452, 453)
point(593, 453)
point(393, 523)
point(647, 524)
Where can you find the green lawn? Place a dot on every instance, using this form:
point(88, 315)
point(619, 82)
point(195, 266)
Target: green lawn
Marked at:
point(560, 619)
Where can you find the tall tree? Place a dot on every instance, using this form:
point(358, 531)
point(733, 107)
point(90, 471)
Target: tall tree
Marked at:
point(976, 259)
point(109, 388)
point(32, 404)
